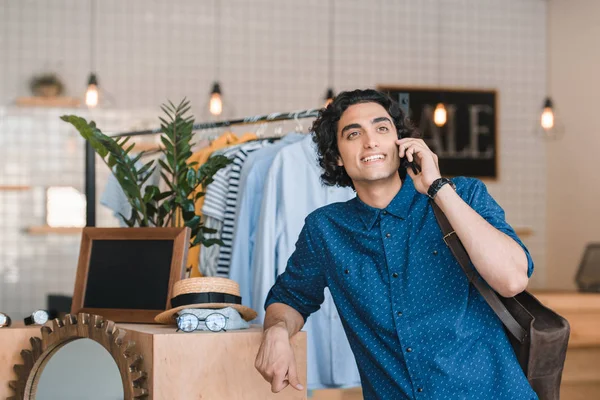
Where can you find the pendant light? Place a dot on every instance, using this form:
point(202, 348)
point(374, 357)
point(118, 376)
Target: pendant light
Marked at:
point(440, 115)
point(550, 126)
point(215, 104)
point(330, 94)
point(91, 95)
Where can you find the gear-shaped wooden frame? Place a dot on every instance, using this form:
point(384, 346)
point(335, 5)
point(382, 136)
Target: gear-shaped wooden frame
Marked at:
point(72, 328)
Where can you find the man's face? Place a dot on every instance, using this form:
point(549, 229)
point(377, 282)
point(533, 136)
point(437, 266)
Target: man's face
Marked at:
point(366, 139)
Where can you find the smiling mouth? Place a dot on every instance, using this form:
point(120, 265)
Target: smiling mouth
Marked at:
point(373, 158)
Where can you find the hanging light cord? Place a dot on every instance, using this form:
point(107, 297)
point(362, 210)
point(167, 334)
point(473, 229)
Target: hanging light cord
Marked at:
point(93, 36)
point(548, 58)
point(331, 39)
point(439, 43)
point(217, 39)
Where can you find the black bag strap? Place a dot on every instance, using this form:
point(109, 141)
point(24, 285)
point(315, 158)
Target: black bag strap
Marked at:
point(458, 250)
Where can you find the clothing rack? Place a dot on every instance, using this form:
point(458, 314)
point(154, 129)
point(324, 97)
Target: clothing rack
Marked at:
point(90, 158)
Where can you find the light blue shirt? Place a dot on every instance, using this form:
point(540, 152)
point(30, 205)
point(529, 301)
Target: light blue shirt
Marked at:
point(293, 189)
point(115, 198)
point(251, 185)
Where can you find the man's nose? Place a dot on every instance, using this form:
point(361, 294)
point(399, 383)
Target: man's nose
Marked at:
point(370, 140)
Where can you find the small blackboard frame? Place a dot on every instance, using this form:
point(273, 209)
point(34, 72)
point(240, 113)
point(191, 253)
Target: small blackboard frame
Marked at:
point(181, 240)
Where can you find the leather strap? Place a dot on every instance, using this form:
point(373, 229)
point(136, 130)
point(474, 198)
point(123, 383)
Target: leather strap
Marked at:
point(458, 250)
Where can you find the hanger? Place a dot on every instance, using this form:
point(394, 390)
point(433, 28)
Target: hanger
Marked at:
point(299, 127)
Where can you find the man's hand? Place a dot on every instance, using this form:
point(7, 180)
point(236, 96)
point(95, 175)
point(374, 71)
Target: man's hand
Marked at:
point(276, 361)
point(417, 150)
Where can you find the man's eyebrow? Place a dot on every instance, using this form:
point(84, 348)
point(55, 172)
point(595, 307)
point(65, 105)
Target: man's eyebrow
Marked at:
point(374, 121)
point(380, 119)
point(348, 127)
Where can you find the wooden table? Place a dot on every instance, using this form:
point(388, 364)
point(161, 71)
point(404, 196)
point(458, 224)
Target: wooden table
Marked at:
point(199, 365)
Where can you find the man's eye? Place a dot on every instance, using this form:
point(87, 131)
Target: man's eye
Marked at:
point(383, 129)
point(352, 134)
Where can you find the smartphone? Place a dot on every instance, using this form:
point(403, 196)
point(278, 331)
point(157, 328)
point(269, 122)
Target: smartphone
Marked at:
point(404, 163)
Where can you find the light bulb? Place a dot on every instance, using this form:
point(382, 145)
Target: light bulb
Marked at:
point(549, 125)
point(216, 103)
point(329, 95)
point(440, 115)
point(91, 95)
point(547, 118)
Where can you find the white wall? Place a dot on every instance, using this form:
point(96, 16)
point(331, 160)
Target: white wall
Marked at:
point(573, 178)
point(274, 57)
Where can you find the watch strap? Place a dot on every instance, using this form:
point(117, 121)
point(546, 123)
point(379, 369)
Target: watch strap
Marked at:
point(436, 185)
point(29, 320)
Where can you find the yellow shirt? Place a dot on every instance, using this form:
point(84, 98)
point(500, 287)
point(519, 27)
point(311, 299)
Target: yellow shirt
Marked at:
point(225, 140)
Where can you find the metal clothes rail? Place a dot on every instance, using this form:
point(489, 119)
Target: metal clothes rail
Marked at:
point(90, 165)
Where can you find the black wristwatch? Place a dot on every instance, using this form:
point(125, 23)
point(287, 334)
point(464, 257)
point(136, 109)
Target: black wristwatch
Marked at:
point(437, 185)
point(38, 317)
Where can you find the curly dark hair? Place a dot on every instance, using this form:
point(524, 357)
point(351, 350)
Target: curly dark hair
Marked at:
point(325, 128)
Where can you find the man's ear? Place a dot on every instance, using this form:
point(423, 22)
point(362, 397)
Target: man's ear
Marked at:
point(340, 163)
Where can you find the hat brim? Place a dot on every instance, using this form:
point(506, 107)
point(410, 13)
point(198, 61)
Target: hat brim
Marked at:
point(168, 317)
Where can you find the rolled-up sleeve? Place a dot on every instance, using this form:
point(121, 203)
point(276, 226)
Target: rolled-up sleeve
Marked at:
point(485, 205)
point(302, 284)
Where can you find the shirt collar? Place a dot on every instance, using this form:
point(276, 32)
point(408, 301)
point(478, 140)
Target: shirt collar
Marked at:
point(398, 207)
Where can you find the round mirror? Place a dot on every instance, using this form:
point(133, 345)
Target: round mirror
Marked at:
point(81, 369)
point(80, 357)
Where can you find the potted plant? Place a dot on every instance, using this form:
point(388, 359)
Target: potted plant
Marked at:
point(46, 85)
point(151, 206)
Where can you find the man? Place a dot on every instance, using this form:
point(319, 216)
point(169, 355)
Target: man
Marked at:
point(416, 327)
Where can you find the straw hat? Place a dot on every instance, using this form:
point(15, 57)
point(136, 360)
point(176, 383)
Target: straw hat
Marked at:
point(205, 293)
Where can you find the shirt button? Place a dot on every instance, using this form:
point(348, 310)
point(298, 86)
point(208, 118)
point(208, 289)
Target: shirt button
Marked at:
point(347, 271)
point(399, 313)
point(435, 252)
point(409, 350)
point(395, 274)
point(419, 390)
point(387, 235)
point(384, 212)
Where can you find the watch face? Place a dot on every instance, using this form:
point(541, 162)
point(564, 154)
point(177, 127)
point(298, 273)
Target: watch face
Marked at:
point(187, 322)
point(216, 322)
point(3, 319)
point(40, 317)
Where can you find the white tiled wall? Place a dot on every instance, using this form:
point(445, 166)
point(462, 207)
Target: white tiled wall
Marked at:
point(273, 58)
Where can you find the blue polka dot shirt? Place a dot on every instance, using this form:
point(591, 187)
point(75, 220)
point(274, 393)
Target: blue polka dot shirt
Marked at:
point(417, 328)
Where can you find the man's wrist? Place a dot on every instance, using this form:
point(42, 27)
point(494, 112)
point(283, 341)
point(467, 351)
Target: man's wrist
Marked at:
point(281, 325)
point(443, 193)
point(437, 185)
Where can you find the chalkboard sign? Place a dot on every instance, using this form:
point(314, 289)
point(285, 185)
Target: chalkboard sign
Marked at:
point(588, 274)
point(467, 143)
point(126, 274)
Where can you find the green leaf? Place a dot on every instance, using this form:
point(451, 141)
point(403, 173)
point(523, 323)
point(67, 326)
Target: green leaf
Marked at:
point(150, 193)
point(198, 195)
point(191, 177)
point(193, 223)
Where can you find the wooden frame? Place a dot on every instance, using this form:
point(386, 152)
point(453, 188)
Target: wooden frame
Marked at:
point(394, 87)
point(64, 331)
point(181, 239)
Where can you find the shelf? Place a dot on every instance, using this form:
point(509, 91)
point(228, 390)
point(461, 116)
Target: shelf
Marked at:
point(14, 187)
point(523, 232)
point(48, 230)
point(47, 102)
